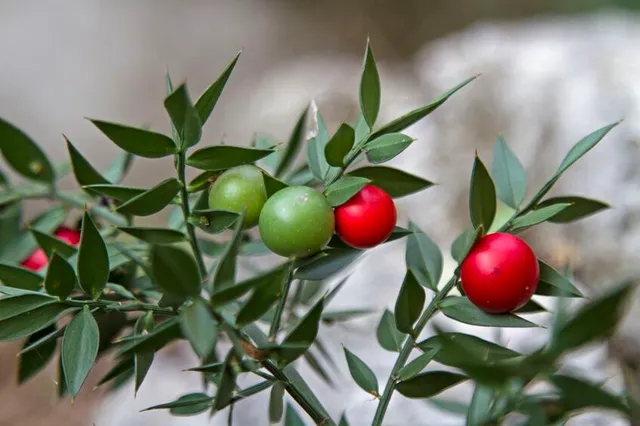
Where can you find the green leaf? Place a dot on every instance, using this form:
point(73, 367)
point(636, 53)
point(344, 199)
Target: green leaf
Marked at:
point(222, 157)
point(480, 408)
point(33, 361)
point(579, 208)
point(594, 321)
point(202, 181)
point(267, 141)
point(416, 366)
point(449, 406)
point(418, 114)
point(236, 291)
point(14, 276)
point(213, 221)
point(474, 347)
point(263, 297)
point(276, 402)
point(24, 155)
point(225, 273)
point(293, 145)
point(462, 310)
point(17, 305)
point(93, 259)
point(154, 235)
point(141, 365)
point(292, 418)
point(387, 334)
point(117, 192)
point(45, 336)
point(317, 367)
point(387, 147)
point(305, 332)
point(51, 244)
point(152, 200)
point(552, 283)
point(369, 88)
point(141, 142)
point(84, 172)
point(423, 258)
point(79, 349)
point(209, 98)
point(199, 328)
point(431, 383)
point(393, 181)
point(334, 317)
point(298, 382)
point(326, 264)
point(175, 270)
point(537, 216)
point(246, 365)
point(119, 168)
point(361, 373)
point(343, 189)
point(482, 196)
point(531, 307)
point(463, 244)
point(226, 385)
point(409, 303)
point(339, 145)
point(184, 117)
point(160, 336)
point(27, 323)
point(316, 147)
point(508, 174)
point(194, 402)
point(578, 394)
point(61, 278)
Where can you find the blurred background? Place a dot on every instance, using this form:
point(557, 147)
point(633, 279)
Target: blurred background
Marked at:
point(552, 72)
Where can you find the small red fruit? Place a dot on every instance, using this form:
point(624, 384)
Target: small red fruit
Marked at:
point(500, 274)
point(367, 219)
point(38, 259)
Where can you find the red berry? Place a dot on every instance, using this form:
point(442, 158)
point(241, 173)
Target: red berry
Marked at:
point(367, 219)
point(500, 274)
point(38, 259)
point(68, 235)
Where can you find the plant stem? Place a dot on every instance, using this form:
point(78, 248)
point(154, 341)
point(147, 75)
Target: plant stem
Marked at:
point(277, 318)
point(184, 196)
point(121, 307)
point(407, 348)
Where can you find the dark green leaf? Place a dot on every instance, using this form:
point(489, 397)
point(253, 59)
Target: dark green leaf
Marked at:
point(84, 172)
point(141, 142)
point(461, 309)
point(245, 366)
point(225, 273)
point(266, 141)
point(161, 335)
point(120, 193)
point(236, 291)
point(227, 384)
point(423, 258)
point(14, 276)
point(213, 221)
point(16, 305)
point(276, 402)
point(293, 145)
point(480, 408)
point(195, 402)
point(552, 283)
point(301, 176)
point(388, 335)
point(594, 321)
point(298, 382)
point(45, 336)
point(272, 185)
point(51, 244)
point(153, 200)
point(199, 328)
point(578, 394)
point(202, 181)
point(463, 244)
point(369, 88)
point(79, 349)
point(334, 317)
point(263, 297)
point(393, 181)
point(175, 270)
point(361, 373)
point(26, 324)
point(579, 208)
point(123, 366)
point(292, 418)
point(409, 303)
point(168, 90)
point(426, 385)
point(316, 146)
point(473, 347)
point(32, 361)
point(343, 189)
point(184, 117)
point(327, 264)
point(416, 115)
point(93, 259)
point(142, 364)
point(61, 278)
point(416, 366)
point(24, 155)
point(531, 307)
point(222, 157)
point(305, 332)
point(209, 98)
point(339, 145)
point(537, 216)
point(482, 196)
point(387, 147)
point(448, 405)
point(154, 235)
point(508, 174)
point(119, 168)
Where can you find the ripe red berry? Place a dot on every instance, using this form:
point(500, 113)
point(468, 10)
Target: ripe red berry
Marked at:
point(367, 219)
point(500, 274)
point(38, 259)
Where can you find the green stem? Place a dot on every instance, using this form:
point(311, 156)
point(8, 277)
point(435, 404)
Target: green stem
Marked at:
point(121, 307)
point(407, 348)
point(184, 196)
point(277, 318)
